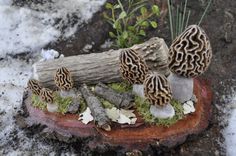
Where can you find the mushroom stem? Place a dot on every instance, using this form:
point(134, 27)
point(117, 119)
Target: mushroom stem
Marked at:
point(52, 107)
point(138, 89)
point(162, 112)
point(181, 87)
point(69, 93)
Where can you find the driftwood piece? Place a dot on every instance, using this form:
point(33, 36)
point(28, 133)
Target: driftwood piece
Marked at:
point(120, 100)
point(96, 108)
point(103, 67)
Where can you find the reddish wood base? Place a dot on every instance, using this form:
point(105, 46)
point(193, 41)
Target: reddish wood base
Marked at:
point(139, 136)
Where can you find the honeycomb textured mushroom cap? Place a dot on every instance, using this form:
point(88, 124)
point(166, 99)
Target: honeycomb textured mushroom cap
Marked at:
point(132, 67)
point(190, 54)
point(34, 86)
point(63, 79)
point(47, 95)
point(157, 89)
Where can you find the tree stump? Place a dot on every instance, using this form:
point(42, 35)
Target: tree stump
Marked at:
point(141, 135)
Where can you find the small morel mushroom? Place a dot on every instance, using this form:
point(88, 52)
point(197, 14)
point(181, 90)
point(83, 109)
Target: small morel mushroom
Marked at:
point(158, 92)
point(48, 97)
point(133, 69)
point(64, 82)
point(189, 56)
point(34, 86)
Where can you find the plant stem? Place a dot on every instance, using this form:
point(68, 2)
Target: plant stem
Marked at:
point(185, 6)
point(205, 11)
point(170, 19)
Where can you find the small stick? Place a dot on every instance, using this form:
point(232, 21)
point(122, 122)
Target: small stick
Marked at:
point(96, 108)
point(120, 100)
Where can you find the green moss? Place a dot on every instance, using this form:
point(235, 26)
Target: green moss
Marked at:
point(143, 107)
point(37, 102)
point(105, 103)
point(63, 103)
point(121, 87)
point(82, 106)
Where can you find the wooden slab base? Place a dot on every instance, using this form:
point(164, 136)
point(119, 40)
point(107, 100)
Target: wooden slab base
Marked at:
point(139, 136)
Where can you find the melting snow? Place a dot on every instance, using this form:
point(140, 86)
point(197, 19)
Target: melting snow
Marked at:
point(29, 28)
point(230, 131)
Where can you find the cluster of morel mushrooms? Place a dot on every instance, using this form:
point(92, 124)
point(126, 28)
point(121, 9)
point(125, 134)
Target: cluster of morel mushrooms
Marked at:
point(189, 56)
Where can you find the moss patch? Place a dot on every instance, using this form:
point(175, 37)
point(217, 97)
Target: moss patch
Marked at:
point(82, 106)
point(105, 103)
point(63, 103)
point(37, 103)
point(143, 107)
point(121, 87)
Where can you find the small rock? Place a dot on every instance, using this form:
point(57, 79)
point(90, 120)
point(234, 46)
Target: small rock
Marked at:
point(52, 107)
point(162, 112)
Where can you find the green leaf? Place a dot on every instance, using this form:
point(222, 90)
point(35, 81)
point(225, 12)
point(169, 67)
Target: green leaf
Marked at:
point(142, 32)
point(125, 35)
point(108, 6)
point(153, 24)
point(155, 10)
point(122, 15)
point(143, 10)
point(117, 6)
point(144, 24)
point(131, 28)
point(111, 34)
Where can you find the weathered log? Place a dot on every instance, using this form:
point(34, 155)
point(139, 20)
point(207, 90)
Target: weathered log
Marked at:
point(120, 100)
point(98, 112)
point(103, 67)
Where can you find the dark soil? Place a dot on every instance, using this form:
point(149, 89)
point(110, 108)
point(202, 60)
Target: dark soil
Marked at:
point(219, 24)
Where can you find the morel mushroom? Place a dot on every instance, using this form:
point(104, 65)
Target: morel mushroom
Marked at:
point(64, 82)
point(189, 56)
point(34, 86)
point(48, 97)
point(133, 69)
point(158, 92)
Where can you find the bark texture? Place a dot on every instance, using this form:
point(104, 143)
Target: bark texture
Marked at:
point(120, 100)
point(96, 108)
point(103, 67)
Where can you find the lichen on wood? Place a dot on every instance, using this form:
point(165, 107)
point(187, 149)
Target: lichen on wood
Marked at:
point(98, 112)
point(120, 100)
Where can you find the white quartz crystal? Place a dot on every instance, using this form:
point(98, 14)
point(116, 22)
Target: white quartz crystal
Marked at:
point(181, 87)
point(162, 112)
point(52, 107)
point(138, 89)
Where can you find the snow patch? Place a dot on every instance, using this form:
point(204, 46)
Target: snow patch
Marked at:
point(30, 28)
point(230, 130)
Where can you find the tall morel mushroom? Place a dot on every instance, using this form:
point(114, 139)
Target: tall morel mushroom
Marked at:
point(34, 86)
point(189, 56)
point(158, 92)
point(47, 96)
point(63, 81)
point(133, 69)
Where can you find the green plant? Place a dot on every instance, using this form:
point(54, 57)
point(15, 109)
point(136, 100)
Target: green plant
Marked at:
point(179, 17)
point(130, 22)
